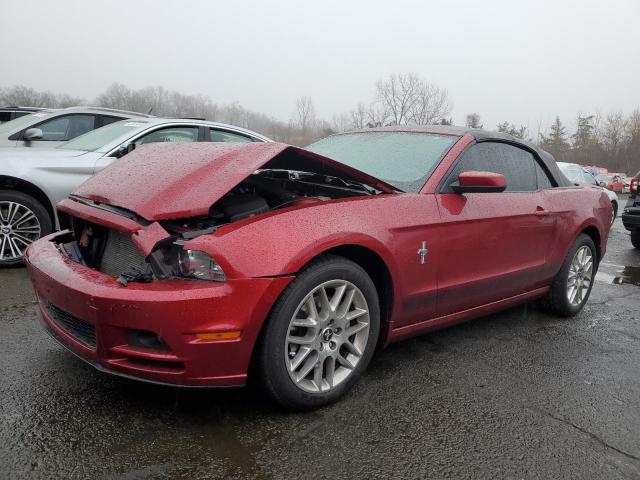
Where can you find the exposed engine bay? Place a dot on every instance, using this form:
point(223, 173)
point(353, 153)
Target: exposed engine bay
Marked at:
point(265, 190)
point(268, 190)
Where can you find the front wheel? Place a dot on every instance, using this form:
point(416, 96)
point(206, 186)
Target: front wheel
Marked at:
point(572, 285)
point(23, 220)
point(635, 238)
point(320, 335)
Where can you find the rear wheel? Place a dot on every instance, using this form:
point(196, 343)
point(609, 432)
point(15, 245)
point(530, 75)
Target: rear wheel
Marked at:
point(572, 285)
point(320, 335)
point(635, 238)
point(22, 221)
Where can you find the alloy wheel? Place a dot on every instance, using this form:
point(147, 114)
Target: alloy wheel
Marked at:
point(580, 275)
point(19, 227)
point(327, 336)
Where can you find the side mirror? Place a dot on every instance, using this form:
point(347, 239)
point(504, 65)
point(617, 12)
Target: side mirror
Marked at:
point(603, 184)
point(479, 182)
point(32, 134)
point(124, 149)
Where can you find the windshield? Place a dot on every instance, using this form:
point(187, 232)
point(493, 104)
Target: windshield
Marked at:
point(22, 122)
point(402, 159)
point(101, 138)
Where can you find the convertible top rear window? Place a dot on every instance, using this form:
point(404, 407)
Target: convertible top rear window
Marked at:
point(402, 159)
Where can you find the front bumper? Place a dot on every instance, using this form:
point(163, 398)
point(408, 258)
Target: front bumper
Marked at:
point(95, 317)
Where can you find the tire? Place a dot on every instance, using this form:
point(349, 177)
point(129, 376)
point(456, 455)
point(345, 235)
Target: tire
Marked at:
point(614, 205)
point(14, 206)
point(557, 301)
point(276, 352)
point(635, 238)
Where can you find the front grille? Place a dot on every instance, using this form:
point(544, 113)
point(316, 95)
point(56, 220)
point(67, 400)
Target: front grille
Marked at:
point(82, 331)
point(120, 255)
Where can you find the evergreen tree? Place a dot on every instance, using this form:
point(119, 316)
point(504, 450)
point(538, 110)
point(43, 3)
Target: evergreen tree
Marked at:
point(556, 141)
point(511, 129)
point(584, 131)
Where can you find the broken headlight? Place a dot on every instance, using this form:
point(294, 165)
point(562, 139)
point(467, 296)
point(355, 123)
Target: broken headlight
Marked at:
point(174, 261)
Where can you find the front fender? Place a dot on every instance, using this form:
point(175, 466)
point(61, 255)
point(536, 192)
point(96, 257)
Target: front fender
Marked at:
point(282, 243)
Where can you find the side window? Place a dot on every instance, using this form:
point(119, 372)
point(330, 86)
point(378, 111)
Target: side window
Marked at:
point(516, 164)
point(222, 136)
point(588, 178)
point(107, 119)
point(170, 134)
point(65, 128)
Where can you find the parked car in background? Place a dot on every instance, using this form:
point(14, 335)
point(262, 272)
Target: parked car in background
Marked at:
point(50, 128)
point(578, 175)
point(198, 265)
point(33, 181)
point(10, 113)
point(616, 184)
point(612, 181)
point(604, 179)
point(631, 212)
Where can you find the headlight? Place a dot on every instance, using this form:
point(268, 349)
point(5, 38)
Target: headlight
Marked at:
point(196, 264)
point(174, 261)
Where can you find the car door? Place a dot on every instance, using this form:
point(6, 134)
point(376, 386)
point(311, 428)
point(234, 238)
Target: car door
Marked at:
point(496, 242)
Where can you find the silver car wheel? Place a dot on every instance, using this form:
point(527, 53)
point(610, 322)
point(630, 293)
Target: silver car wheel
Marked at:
point(19, 227)
point(327, 336)
point(580, 275)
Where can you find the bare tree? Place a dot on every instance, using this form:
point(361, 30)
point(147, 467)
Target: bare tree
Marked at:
point(377, 115)
point(359, 116)
point(431, 106)
point(28, 97)
point(406, 98)
point(341, 122)
point(613, 132)
point(305, 114)
point(472, 120)
point(398, 94)
point(21, 95)
point(115, 96)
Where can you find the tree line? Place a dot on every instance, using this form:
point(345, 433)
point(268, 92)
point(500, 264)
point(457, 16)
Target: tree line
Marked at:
point(611, 141)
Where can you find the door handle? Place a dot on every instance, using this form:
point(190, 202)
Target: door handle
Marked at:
point(541, 212)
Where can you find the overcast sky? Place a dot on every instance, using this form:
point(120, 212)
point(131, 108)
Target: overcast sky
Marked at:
point(522, 61)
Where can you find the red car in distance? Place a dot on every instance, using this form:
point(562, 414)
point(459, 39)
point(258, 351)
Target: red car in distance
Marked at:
point(208, 264)
point(613, 182)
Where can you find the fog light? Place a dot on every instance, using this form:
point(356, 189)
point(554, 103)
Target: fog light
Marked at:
point(146, 339)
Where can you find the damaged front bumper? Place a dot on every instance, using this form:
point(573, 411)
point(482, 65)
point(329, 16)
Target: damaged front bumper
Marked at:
point(164, 331)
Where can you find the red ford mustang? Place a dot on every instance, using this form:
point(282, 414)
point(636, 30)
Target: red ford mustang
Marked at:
point(203, 264)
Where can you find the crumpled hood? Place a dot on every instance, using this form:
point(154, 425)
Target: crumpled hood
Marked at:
point(159, 181)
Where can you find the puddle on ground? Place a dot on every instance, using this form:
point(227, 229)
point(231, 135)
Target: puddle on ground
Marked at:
point(628, 275)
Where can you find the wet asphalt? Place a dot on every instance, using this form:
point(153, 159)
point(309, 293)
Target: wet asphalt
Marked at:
point(520, 394)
